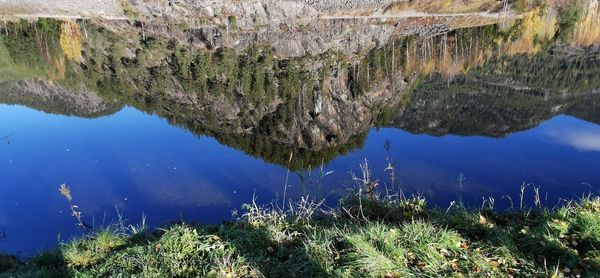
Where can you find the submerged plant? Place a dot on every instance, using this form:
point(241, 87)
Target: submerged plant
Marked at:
point(6, 138)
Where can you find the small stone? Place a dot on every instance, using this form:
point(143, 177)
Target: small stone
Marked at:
point(574, 243)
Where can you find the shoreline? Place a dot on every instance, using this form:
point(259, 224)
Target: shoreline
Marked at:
point(365, 236)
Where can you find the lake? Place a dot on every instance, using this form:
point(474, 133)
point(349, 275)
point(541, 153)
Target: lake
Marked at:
point(196, 137)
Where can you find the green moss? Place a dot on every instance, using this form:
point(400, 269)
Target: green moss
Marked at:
point(233, 23)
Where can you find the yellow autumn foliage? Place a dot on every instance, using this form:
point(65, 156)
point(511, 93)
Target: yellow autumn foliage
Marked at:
point(587, 31)
point(70, 40)
point(534, 25)
point(442, 6)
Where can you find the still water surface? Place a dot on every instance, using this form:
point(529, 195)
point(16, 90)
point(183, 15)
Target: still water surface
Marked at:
point(148, 125)
point(141, 164)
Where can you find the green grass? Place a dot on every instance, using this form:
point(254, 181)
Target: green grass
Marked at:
point(233, 22)
point(364, 237)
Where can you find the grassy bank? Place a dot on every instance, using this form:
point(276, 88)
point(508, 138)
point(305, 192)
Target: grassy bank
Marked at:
point(366, 236)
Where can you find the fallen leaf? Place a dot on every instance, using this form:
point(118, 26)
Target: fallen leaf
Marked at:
point(454, 266)
point(482, 220)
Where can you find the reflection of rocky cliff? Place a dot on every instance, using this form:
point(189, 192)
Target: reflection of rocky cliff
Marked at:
point(316, 106)
point(468, 108)
point(313, 103)
point(53, 98)
point(586, 108)
point(558, 70)
point(311, 107)
point(507, 94)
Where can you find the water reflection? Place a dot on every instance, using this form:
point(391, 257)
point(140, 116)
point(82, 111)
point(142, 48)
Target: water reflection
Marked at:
point(581, 140)
point(584, 140)
point(153, 124)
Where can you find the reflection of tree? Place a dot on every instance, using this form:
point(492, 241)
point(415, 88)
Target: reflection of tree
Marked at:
point(273, 152)
point(558, 70)
point(316, 107)
point(55, 99)
point(475, 107)
point(70, 40)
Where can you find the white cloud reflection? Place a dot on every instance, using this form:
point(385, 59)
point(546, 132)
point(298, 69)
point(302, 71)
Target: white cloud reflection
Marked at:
point(578, 139)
